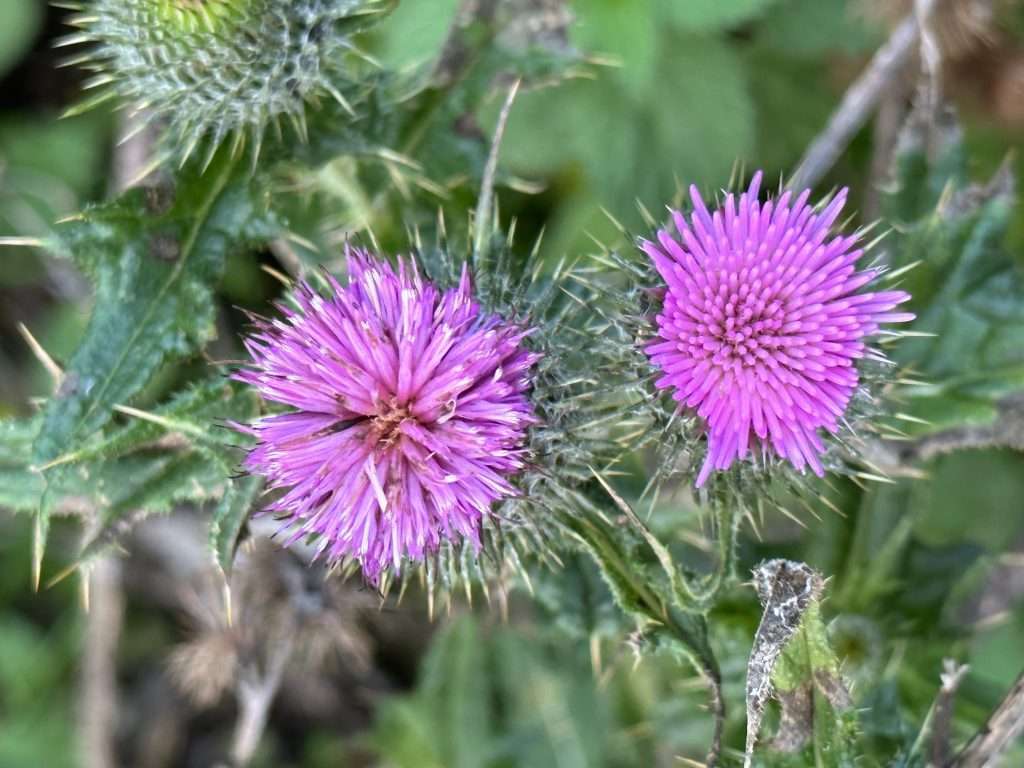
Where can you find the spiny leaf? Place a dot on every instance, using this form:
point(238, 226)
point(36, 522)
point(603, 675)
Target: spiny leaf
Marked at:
point(197, 413)
point(154, 264)
point(154, 480)
point(229, 517)
point(618, 569)
point(968, 291)
point(139, 486)
point(154, 273)
point(20, 487)
point(682, 593)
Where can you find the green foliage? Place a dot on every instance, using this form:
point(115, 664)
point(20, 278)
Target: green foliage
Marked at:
point(710, 14)
point(48, 169)
point(39, 640)
point(138, 425)
point(154, 257)
point(966, 285)
point(236, 502)
point(153, 271)
point(22, 19)
point(175, 453)
point(20, 489)
point(487, 699)
point(816, 705)
point(223, 69)
point(809, 28)
point(36, 727)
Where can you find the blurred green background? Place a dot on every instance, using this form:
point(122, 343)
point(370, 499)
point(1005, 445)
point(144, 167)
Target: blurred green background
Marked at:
point(685, 91)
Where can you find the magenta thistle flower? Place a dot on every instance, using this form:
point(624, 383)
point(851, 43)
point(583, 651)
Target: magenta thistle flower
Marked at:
point(411, 411)
point(762, 323)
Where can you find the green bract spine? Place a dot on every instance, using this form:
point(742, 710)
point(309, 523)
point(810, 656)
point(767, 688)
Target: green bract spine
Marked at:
point(221, 70)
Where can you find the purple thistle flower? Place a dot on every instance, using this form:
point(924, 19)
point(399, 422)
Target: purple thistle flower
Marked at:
point(411, 414)
point(762, 323)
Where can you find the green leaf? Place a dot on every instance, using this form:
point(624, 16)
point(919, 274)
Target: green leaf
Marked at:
point(20, 488)
point(16, 437)
point(453, 698)
point(954, 508)
point(818, 721)
point(139, 486)
point(705, 119)
point(154, 273)
point(808, 662)
point(197, 413)
point(705, 15)
point(152, 481)
point(623, 31)
point(154, 264)
point(21, 22)
point(229, 518)
point(968, 292)
point(491, 698)
point(413, 33)
point(653, 596)
point(809, 28)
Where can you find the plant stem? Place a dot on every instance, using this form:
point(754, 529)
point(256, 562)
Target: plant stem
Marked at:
point(859, 102)
point(639, 598)
point(98, 693)
point(255, 696)
point(1004, 725)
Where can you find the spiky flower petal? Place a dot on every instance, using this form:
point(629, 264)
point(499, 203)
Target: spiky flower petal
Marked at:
point(411, 412)
point(763, 322)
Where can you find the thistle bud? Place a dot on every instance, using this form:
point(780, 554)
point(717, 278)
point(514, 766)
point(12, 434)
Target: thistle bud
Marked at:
point(220, 70)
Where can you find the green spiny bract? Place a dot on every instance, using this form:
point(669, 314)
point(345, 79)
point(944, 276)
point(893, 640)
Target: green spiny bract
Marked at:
point(679, 435)
point(574, 392)
point(217, 70)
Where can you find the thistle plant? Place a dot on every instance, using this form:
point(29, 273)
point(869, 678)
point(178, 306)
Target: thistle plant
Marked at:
point(424, 402)
point(413, 409)
point(219, 71)
point(762, 323)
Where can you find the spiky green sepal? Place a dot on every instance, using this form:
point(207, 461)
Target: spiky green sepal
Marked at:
point(217, 71)
point(571, 391)
point(677, 436)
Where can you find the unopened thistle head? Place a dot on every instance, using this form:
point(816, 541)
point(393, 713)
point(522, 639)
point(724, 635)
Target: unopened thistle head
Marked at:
point(219, 69)
point(409, 414)
point(762, 323)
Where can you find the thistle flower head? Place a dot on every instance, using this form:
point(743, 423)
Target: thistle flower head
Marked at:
point(410, 411)
point(213, 69)
point(762, 323)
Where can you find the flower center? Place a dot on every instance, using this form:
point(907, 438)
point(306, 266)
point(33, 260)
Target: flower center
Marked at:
point(385, 426)
point(742, 326)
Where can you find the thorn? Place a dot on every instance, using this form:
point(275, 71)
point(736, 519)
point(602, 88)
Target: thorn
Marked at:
point(27, 242)
point(84, 577)
point(228, 608)
point(146, 170)
point(38, 545)
point(485, 203)
point(691, 762)
point(63, 574)
point(791, 516)
point(168, 424)
point(63, 459)
point(282, 278)
point(336, 95)
point(595, 653)
point(42, 356)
